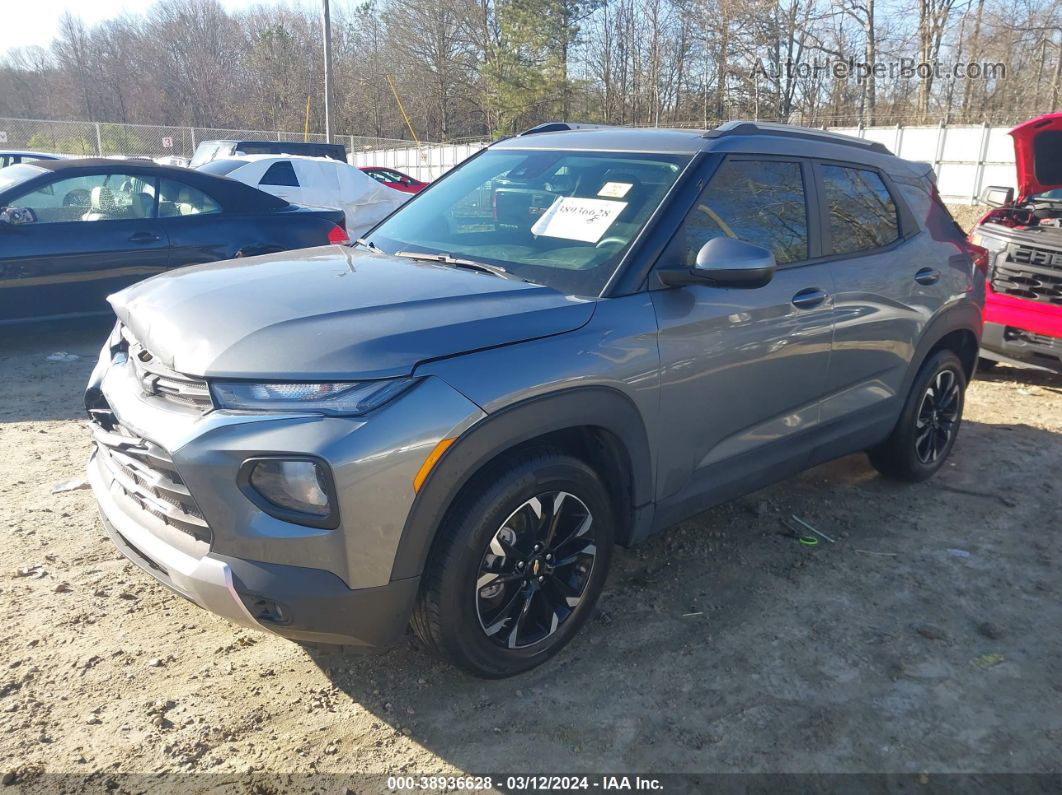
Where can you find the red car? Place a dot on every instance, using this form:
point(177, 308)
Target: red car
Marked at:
point(1023, 236)
point(395, 179)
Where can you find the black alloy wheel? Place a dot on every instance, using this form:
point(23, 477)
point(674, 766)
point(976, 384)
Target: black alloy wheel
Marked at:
point(938, 417)
point(929, 422)
point(535, 570)
point(518, 563)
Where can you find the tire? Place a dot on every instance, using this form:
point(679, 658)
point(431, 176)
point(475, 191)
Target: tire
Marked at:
point(532, 605)
point(925, 433)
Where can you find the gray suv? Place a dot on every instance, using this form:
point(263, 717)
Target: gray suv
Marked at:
point(575, 339)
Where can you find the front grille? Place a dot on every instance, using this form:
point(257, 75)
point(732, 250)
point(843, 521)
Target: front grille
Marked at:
point(160, 381)
point(147, 476)
point(1031, 273)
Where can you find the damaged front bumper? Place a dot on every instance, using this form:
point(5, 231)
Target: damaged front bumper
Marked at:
point(165, 474)
point(206, 581)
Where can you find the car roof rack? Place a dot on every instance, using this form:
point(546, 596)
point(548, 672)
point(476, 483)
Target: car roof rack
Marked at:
point(785, 131)
point(558, 126)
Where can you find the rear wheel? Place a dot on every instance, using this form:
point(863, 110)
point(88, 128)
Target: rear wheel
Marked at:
point(925, 433)
point(517, 566)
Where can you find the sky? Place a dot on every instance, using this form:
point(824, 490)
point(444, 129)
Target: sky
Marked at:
point(29, 22)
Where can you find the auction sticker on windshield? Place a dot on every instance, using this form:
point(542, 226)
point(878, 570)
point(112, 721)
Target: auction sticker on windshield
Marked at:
point(615, 190)
point(574, 218)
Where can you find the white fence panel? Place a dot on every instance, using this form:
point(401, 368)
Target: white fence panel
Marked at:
point(967, 159)
point(425, 162)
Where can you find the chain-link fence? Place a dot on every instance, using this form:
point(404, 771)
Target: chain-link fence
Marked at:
point(85, 139)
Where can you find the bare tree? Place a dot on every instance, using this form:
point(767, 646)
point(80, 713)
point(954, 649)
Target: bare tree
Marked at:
point(476, 67)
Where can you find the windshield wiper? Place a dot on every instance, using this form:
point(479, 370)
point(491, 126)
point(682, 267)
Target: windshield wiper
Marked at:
point(363, 242)
point(457, 262)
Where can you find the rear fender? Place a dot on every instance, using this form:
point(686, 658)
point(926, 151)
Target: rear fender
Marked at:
point(962, 316)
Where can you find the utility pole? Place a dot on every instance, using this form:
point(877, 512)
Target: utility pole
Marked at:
point(326, 25)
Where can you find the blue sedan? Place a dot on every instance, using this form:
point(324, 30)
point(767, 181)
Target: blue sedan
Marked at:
point(9, 157)
point(74, 231)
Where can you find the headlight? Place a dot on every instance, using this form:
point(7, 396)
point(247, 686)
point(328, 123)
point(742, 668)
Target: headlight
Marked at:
point(324, 398)
point(293, 489)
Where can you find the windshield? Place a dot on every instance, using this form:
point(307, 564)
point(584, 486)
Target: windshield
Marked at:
point(221, 168)
point(563, 219)
point(14, 175)
point(207, 151)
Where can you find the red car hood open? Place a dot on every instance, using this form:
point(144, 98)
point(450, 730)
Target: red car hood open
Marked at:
point(1038, 154)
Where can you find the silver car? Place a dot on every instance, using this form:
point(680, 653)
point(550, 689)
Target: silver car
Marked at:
point(575, 339)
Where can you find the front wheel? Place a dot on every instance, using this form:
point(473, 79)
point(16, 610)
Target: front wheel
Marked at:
point(925, 433)
point(518, 565)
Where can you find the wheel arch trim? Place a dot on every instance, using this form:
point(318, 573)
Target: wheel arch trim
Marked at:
point(963, 316)
point(601, 407)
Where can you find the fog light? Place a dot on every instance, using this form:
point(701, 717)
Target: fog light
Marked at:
point(266, 610)
point(296, 490)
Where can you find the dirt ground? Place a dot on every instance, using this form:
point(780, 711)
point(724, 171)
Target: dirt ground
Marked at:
point(925, 639)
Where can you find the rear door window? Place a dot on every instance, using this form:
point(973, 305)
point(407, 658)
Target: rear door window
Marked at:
point(178, 199)
point(759, 201)
point(862, 215)
point(280, 173)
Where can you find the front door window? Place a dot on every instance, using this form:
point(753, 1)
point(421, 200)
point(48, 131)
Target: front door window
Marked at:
point(92, 197)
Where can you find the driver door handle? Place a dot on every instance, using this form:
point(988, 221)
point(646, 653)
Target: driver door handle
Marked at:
point(144, 237)
point(809, 298)
point(927, 276)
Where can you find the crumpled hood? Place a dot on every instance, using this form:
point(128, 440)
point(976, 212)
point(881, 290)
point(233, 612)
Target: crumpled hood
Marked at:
point(333, 313)
point(1038, 154)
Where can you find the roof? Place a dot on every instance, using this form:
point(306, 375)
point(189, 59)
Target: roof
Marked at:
point(731, 137)
point(266, 143)
point(230, 193)
point(28, 153)
point(96, 162)
point(257, 158)
point(603, 138)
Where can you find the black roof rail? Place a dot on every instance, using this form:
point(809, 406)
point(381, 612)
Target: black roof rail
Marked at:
point(803, 133)
point(558, 126)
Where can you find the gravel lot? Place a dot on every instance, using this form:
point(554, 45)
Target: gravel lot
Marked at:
point(925, 639)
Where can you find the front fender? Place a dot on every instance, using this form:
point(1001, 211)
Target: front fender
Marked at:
point(592, 406)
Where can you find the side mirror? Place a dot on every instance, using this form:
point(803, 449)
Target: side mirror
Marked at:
point(725, 262)
point(13, 216)
point(996, 196)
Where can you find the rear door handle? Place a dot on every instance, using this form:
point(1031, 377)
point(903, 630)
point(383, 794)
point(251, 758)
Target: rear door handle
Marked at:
point(144, 237)
point(809, 298)
point(927, 276)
